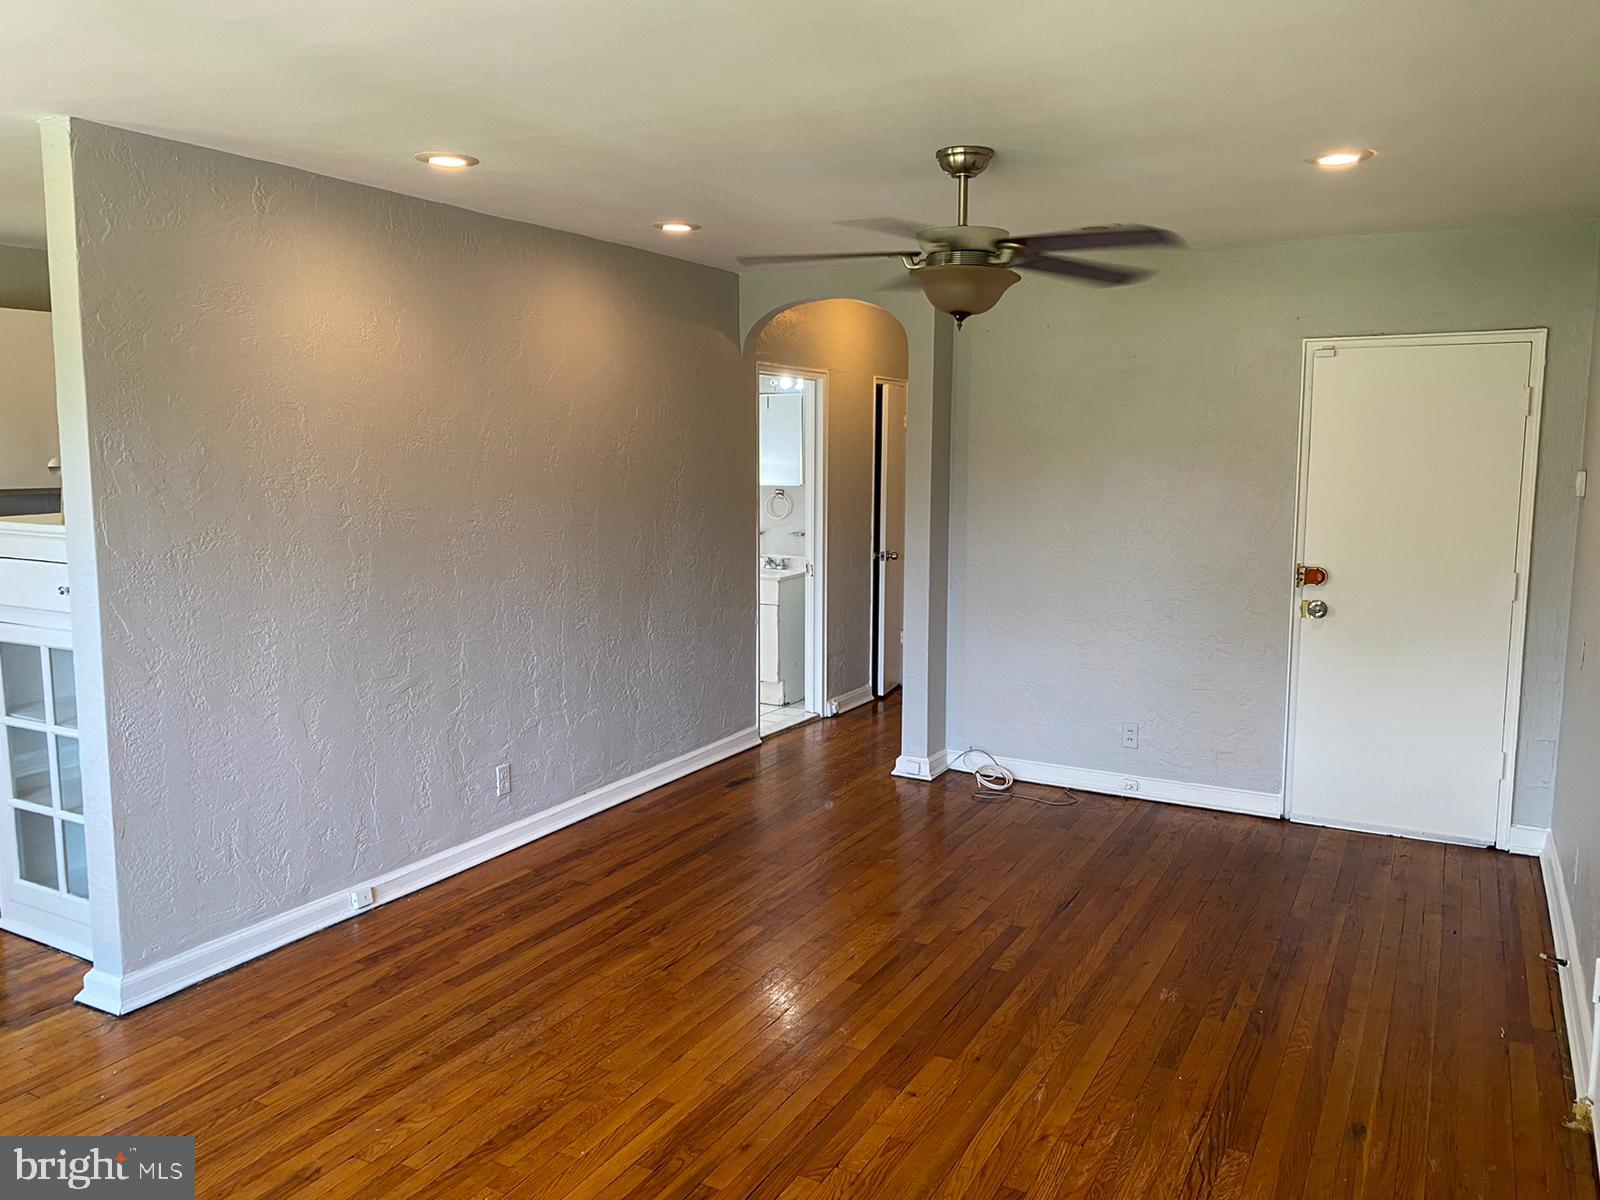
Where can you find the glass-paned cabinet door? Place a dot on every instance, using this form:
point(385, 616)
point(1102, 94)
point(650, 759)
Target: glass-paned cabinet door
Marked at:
point(44, 885)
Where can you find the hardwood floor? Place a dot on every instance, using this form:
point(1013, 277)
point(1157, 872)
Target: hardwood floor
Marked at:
point(790, 975)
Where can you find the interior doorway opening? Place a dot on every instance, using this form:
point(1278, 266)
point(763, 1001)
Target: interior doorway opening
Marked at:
point(836, 354)
point(790, 615)
point(888, 533)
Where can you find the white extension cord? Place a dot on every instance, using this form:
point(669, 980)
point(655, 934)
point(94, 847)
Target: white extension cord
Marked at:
point(996, 782)
point(991, 777)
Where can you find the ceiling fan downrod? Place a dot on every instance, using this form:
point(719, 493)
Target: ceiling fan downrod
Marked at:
point(962, 163)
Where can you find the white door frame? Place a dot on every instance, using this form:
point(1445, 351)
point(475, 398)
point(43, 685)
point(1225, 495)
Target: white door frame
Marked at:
point(814, 408)
point(872, 517)
point(1536, 338)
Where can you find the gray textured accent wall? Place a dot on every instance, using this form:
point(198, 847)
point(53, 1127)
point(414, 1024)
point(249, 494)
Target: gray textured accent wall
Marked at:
point(853, 342)
point(1123, 486)
point(1575, 823)
point(24, 278)
point(384, 493)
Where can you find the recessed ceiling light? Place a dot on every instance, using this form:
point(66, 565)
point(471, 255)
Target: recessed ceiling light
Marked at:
point(676, 226)
point(1336, 160)
point(447, 160)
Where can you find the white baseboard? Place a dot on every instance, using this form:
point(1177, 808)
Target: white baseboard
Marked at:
point(908, 766)
point(1526, 839)
point(855, 699)
point(1170, 791)
point(119, 994)
point(1575, 1004)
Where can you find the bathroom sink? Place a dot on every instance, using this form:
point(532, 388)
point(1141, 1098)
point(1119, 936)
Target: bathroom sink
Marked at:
point(791, 567)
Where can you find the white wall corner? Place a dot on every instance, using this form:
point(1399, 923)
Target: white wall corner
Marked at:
point(1575, 1004)
point(122, 993)
point(908, 766)
point(1527, 839)
point(855, 699)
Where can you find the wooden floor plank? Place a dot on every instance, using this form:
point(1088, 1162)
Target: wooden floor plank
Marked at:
point(792, 975)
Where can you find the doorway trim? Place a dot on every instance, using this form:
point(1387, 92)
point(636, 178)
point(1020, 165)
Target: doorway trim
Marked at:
point(1536, 339)
point(815, 441)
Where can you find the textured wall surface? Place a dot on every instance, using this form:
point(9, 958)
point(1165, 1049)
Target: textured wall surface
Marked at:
point(853, 342)
point(1123, 491)
point(24, 278)
point(386, 493)
point(1575, 823)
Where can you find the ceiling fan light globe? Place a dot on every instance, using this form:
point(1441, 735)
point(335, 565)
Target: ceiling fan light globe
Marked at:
point(966, 290)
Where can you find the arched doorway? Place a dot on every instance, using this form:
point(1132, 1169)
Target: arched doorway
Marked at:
point(764, 295)
point(830, 384)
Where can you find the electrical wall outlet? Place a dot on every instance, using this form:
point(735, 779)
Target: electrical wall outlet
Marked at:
point(1130, 735)
point(361, 898)
point(1129, 785)
point(502, 780)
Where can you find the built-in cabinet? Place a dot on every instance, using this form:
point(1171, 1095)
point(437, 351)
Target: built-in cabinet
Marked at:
point(781, 640)
point(44, 884)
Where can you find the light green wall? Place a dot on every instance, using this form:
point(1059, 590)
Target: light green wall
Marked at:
point(1575, 823)
point(1123, 483)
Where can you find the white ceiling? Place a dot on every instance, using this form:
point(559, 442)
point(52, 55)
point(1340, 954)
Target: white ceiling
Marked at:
point(767, 122)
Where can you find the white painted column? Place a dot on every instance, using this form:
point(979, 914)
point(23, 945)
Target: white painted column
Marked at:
point(102, 984)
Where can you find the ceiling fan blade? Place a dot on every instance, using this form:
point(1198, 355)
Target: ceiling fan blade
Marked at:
point(1077, 268)
point(1100, 237)
point(764, 260)
point(901, 283)
point(893, 226)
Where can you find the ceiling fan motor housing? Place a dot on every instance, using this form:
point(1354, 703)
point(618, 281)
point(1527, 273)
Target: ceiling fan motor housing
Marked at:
point(948, 239)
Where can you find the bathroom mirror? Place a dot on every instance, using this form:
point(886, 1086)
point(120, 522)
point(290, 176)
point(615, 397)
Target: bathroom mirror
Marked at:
point(782, 445)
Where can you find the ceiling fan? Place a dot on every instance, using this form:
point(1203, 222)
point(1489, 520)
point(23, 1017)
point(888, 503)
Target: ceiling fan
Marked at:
point(965, 269)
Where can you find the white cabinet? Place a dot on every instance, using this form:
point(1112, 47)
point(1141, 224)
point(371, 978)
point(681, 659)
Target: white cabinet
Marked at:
point(782, 440)
point(44, 867)
point(782, 637)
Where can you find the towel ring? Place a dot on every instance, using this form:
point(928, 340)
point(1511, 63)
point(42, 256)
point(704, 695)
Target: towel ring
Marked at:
point(788, 505)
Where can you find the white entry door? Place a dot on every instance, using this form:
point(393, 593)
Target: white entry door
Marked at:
point(1417, 459)
point(891, 533)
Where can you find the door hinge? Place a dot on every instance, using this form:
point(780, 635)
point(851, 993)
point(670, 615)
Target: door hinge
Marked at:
point(1527, 396)
point(1516, 586)
point(1324, 352)
point(1580, 485)
point(1505, 763)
